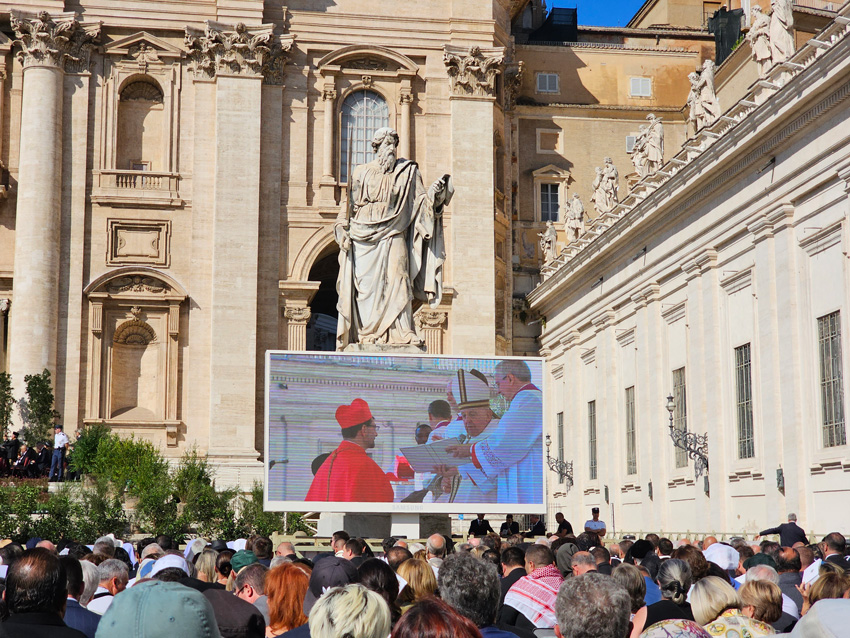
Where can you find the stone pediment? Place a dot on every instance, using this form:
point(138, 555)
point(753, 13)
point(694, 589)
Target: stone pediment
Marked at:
point(143, 41)
point(550, 170)
point(368, 58)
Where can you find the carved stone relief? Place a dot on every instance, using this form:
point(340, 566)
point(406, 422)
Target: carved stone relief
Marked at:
point(300, 314)
point(57, 40)
point(134, 332)
point(513, 83)
point(138, 243)
point(430, 319)
point(138, 283)
point(473, 71)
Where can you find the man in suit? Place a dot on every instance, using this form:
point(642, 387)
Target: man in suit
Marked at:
point(76, 616)
point(479, 527)
point(537, 527)
point(509, 527)
point(833, 547)
point(36, 595)
point(789, 533)
point(513, 568)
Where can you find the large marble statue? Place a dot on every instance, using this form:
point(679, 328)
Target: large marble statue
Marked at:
point(707, 95)
point(391, 248)
point(606, 186)
point(695, 112)
point(575, 219)
point(639, 152)
point(654, 144)
point(782, 45)
point(759, 38)
point(548, 242)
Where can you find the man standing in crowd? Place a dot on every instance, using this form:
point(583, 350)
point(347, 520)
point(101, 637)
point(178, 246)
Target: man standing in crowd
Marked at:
point(832, 547)
point(113, 576)
point(533, 596)
point(479, 526)
point(348, 474)
point(564, 527)
point(36, 594)
point(436, 551)
point(594, 524)
point(789, 533)
point(77, 616)
point(11, 447)
point(60, 447)
point(509, 527)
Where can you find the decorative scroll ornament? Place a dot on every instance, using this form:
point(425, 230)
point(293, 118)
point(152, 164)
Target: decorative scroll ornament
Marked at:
point(513, 83)
point(430, 319)
point(57, 40)
point(300, 314)
point(473, 71)
point(137, 283)
point(238, 50)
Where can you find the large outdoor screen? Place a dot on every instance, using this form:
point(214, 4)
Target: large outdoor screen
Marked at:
point(379, 433)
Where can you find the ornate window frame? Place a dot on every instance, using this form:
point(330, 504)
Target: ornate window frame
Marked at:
point(136, 294)
point(551, 174)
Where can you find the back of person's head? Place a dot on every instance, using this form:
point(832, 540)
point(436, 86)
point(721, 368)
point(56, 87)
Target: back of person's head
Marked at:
point(285, 587)
point(396, 556)
point(36, 582)
point(140, 545)
point(11, 553)
point(222, 562)
point(350, 612)
point(105, 549)
point(354, 546)
point(540, 555)
point(674, 580)
point(632, 580)
point(169, 575)
point(835, 542)
point(601, 555)
point(586, 541)
point(762, 572)
point(807, 556)
point(471, 587)
point(79, 551)
point(113, 568)
point(665, 546)
point(710, 597)
point(340, 535)
point(829, 585)
point(73, 575)
point(745, 552)
point(584, 559)
point(513, 557)
point(165, 542)
point(653, 538)
point(788, 560)
point(762, 600)
point(440, 409)
point(375, 575)
point(592, 605)
point(695, 560)
point(253, 575)
point(91, 579)
point(420, 578)
point(205, 565)
point(262, 547)
point(492, 540)
point(436, 546)
point(433, 618)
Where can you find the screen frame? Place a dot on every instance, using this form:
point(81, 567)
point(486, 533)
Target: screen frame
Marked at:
point(400, 508)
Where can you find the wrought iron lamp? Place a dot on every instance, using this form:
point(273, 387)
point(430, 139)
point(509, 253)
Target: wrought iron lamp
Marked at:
point(564, 469)
point(696, 445)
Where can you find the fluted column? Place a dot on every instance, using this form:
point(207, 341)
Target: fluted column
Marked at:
point(47, 44)
point(297, 318)
point(405, 100)
point(328, 182)
point(431, 325)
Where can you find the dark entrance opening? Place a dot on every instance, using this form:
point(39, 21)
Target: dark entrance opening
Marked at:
point(321, 330)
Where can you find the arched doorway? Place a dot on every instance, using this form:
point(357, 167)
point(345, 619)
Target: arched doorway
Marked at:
point(321, 329)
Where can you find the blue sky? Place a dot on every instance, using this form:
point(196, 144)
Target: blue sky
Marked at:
point(601, 13)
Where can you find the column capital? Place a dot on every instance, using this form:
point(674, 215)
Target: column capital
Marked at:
point(57, 40)
point(250, 51)
point(473, 70)
point(433, 319)
point(405, 97)
point(298, 314)
point(329, 94)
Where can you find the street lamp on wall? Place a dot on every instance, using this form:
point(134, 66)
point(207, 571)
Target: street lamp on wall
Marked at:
point(563, 469)
point(696, 445)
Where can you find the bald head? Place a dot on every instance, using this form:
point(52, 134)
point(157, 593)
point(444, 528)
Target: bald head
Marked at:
point(708, 542)
point(436, 546)
point(47, 545)
point(284, 549)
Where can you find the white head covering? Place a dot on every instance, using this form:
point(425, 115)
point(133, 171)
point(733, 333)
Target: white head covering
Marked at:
point(239, 544)
point(723, 555)
point(128, 547)
point(469, 390)
point(169, 560)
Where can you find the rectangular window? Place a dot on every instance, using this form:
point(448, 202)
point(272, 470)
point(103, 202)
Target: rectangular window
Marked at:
point(640, 87)
point(744, 401)
point(630, 143)
point(547, 83)
point(591, 437)
point(831, 380)
point(680, 414)
point(561, 442)
point(631, 435)
point(549, 202)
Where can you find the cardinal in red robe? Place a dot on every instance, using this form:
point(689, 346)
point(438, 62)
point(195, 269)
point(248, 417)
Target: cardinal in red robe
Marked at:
point(348, 474)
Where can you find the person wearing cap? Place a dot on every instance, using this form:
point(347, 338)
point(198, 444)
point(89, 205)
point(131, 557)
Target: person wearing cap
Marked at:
point(510, 457)
point(348, 474)
point(594, 524)
point(60, 447)
point(789, 533)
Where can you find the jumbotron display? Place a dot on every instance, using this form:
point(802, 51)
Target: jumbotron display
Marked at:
point(376, 433)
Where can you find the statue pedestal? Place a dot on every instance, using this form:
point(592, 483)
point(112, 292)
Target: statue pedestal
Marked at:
point(385, 348)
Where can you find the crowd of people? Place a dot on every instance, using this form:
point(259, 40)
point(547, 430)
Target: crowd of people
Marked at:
point(43, 459)
point(487, 586)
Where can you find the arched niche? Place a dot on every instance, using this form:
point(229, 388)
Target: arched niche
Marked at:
point(140, 125)
point(134, 339)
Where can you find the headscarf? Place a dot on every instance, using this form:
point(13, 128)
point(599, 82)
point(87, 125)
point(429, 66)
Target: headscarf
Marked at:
point(564, 558)
point(534, 595)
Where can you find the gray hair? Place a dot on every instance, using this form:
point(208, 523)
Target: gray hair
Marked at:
point(592, 605)
point(350, 612)
point(91, 578)
point(763, 572)
point(113, 568)
point(674, 580)
point(381, 136)
point(792, 517)
point(254, 575)
point(471, 587)
point(437, 549)
point(280, 560)
point(584, 558)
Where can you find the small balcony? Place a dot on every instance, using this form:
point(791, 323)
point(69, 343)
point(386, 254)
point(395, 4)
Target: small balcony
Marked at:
point(136, 188)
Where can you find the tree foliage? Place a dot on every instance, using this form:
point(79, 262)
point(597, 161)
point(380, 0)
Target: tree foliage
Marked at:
point(7, 402)
point(37, 409)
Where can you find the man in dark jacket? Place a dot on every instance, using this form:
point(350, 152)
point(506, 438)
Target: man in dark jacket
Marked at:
point(77, 616)
point(36, 595)
point(833, 547)
point(789, 533)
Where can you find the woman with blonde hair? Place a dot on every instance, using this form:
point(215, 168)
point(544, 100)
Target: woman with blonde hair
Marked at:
point(762, 600)
point(717, 607)
point(830, 584)
point(285, 587)
point(421, 582)
point(205, 565)
point(350, 612)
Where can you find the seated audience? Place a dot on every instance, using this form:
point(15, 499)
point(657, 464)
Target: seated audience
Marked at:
point(375, 575)
point(762, 600)
point(674, 582)
point(350, 612)
point(285, 588)
point(77, 616)
point(592, 605)
point(112, 576)
point(532, 597)
point(630, 578)
point(717, 607)
point(433, 618)
point(421, 582)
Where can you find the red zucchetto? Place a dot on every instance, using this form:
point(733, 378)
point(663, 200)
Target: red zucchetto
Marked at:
point(350, 415)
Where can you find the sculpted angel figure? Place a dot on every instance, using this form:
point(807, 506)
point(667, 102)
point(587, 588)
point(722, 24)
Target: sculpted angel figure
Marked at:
point(391, 248)
point(575, 219)
point(759, 39)
point(548, 242)
point(782, 45)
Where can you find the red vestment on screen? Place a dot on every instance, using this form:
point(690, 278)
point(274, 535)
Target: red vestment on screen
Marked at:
point(348, 475)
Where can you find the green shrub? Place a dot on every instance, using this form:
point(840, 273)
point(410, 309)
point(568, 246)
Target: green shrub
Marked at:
point(84, 458)
point(253, 519)
point(7, 402)
point(99, 512)
point(37, 411)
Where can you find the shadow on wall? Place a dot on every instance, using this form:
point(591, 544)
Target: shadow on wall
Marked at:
point(573, 91)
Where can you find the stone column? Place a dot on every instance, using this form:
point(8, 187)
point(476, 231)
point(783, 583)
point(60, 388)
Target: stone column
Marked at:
point(47, 44)
point(296, 327)
point(238, 58)
point(404, 145)
point(473, 74)
point(327, 185)
point(296, 297)
point(431, 325)
point(5, 304)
